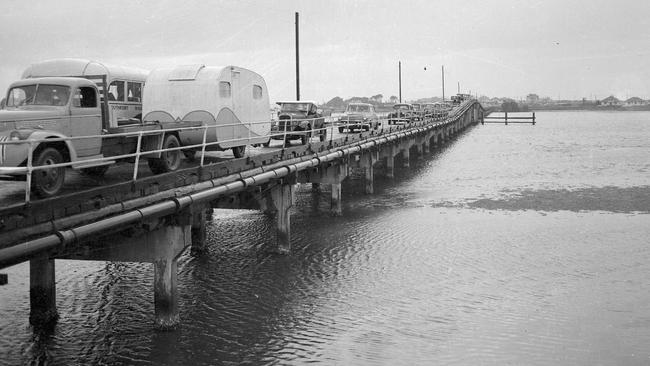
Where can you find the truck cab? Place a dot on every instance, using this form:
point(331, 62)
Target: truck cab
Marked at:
point(49, 108)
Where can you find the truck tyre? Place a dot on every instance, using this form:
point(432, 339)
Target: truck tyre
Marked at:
point(239, 151)
point(96, 171)
point(169, 160)
point(48, 182)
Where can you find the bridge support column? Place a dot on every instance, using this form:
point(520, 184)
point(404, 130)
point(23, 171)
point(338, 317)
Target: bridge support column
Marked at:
point(425, 147)
point(199, 219)
point(169, 243)
point(406, 155)
point(370, 159)
point(281, 197)
point(390, 163)
point(336, 205)
point(42, 292)
point(161, 242)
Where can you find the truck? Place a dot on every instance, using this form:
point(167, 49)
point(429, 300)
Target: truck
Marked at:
point(88, 119)
point(231, 104)
point(299, 120)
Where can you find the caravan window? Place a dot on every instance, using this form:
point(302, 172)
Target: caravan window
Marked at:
point(116, 91)
point(257, 92)
point(134, 91)
point(224, 89)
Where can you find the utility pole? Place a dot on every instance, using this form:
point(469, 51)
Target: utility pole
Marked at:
point(400, 80)
point(443, 83)
point(297, 60)
point(459, 87)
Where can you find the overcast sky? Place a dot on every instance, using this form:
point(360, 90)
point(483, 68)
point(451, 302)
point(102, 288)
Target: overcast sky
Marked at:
point(556, 48)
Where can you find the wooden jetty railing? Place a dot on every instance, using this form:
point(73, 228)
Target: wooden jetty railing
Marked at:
point(508, 119)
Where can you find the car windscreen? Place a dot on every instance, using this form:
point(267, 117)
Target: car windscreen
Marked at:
point(295, 107)
point(38, 94)
point(358, 108)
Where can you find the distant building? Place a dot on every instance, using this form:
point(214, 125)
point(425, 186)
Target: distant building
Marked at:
point(610, 101)
point(635, 101)
point(532, 99)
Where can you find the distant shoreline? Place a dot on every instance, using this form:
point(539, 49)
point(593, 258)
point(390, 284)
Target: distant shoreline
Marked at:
point(590, 108)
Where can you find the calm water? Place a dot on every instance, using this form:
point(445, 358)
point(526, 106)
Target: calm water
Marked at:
point(512, 245)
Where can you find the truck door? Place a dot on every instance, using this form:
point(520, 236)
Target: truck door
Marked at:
point(86, 120)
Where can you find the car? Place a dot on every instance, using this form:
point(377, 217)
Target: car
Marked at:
point(359, 116)
point(298, 120)
point(402, 113)
point(436, 111)
point(418, 111)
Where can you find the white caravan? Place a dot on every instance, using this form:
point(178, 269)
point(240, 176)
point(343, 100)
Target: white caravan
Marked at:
point(232, 101)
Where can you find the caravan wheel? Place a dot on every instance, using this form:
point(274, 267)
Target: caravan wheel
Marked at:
point(169, 160)
point(239, 151)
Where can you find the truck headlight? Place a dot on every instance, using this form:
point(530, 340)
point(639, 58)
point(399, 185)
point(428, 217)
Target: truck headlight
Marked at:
point(18, 135)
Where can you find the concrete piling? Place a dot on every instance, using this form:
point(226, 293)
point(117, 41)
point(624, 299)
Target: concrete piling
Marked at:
point(42, 291)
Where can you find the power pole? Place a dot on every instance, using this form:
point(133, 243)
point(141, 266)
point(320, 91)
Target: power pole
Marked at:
point(297, 60)
point(400, 80)
point(443, 83)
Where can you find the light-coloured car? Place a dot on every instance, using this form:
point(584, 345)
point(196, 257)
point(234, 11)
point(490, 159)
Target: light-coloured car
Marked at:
point(360, 116)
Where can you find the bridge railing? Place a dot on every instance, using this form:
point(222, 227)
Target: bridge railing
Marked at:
point(32, 144)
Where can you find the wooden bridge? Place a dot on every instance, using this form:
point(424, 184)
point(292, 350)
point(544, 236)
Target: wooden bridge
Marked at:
point(154, 219)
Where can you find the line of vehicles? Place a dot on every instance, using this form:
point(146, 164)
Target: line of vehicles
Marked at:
point(88, 115)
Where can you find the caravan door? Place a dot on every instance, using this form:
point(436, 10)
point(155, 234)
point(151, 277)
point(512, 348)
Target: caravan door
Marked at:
point(239, 105)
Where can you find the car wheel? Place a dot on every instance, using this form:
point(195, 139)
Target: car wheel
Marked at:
point(48, 182)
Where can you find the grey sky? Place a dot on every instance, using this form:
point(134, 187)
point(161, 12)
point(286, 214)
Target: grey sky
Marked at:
point(566, 49)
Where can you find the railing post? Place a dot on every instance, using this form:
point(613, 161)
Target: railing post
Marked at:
point(137, 157)
point(533, 118)
point(28, 178)
point(205, 133)
point(506, 118)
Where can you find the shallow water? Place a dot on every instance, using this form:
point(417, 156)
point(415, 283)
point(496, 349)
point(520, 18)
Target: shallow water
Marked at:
point(511, 245)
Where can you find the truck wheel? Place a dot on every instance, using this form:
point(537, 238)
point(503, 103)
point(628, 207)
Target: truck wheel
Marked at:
point(323, 136)
point(48, 182)
point(96, 171)
point(239, 151)
point(169, 160)
point(341, 129)
point(190, 155)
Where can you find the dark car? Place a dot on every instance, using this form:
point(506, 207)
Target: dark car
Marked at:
point(359, 116)
point(402, 114)
point(298, 120)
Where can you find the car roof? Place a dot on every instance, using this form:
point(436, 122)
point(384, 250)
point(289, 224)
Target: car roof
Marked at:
point(295, 101)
